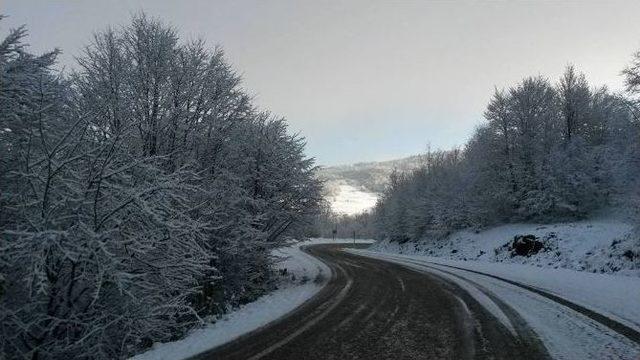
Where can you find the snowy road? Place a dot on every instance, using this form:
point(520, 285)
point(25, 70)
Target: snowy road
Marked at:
point(576, 315)
point(377, 309)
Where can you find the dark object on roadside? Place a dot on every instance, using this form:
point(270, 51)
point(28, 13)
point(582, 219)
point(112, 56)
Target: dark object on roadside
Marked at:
point(526, 245)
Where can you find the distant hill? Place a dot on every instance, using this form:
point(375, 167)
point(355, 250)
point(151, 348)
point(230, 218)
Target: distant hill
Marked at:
point(354, 188)
point(373, 176)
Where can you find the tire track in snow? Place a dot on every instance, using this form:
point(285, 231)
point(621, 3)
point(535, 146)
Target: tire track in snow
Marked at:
point(612, 324)
point(334, 303)
point(601, 328)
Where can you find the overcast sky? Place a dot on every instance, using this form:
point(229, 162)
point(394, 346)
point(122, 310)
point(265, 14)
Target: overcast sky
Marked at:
point(371, 80)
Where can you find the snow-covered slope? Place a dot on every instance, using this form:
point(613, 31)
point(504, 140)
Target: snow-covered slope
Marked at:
point(602, 246)
point(372, 176)
point(354, 188)
point(348, 199)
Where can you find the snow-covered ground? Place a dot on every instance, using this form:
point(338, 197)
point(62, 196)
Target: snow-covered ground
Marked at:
point(599, 246)
point(305, 276)
point(566, 333)
point(348, 199)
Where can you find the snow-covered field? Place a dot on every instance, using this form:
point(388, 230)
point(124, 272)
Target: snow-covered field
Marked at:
point(599, 246)
point(348, 199)
point(567, 334)
point(305, 276)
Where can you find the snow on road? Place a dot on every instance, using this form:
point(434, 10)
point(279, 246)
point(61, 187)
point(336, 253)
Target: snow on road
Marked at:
point(305, 276)
point(566, 333)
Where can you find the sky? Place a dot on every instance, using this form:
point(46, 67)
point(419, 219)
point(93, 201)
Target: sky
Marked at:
point(370, 80)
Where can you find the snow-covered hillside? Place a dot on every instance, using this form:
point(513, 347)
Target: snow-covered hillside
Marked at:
point(599, 246)
point(346, 199)
point(373, 176)
point(355, 188)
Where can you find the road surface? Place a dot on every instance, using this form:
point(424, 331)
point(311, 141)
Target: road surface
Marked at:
point(373, 309)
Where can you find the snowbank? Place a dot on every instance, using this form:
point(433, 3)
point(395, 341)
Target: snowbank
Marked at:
point(599, 246)
point(305, 276)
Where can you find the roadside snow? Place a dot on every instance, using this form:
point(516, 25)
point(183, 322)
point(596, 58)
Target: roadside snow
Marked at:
point(599, 246)
point(566, 333)
point(245, 319)
point(305, 276)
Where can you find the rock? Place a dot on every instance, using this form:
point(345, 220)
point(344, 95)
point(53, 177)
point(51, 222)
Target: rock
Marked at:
point(526, 245)
point(629, 254)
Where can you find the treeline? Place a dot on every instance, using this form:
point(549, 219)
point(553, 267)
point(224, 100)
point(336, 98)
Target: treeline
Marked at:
point(138, 194)
point(362, 226)
point(546, 152)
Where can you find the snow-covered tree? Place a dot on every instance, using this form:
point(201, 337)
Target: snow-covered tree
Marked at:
point(574, 96)
point(544, 153)
point(137, 194)
point(98, 248)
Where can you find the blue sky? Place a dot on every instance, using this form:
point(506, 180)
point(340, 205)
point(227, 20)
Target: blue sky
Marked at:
point(371, 80)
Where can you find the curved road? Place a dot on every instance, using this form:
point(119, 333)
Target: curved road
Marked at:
point(372, 309)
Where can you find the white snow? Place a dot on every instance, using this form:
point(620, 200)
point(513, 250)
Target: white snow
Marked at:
point(582, 245)
point(349, 200)
point(306, 275)
point(566, 333)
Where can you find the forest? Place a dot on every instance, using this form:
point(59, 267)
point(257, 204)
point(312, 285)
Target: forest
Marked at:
point(546, 152)
point(140, 192)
